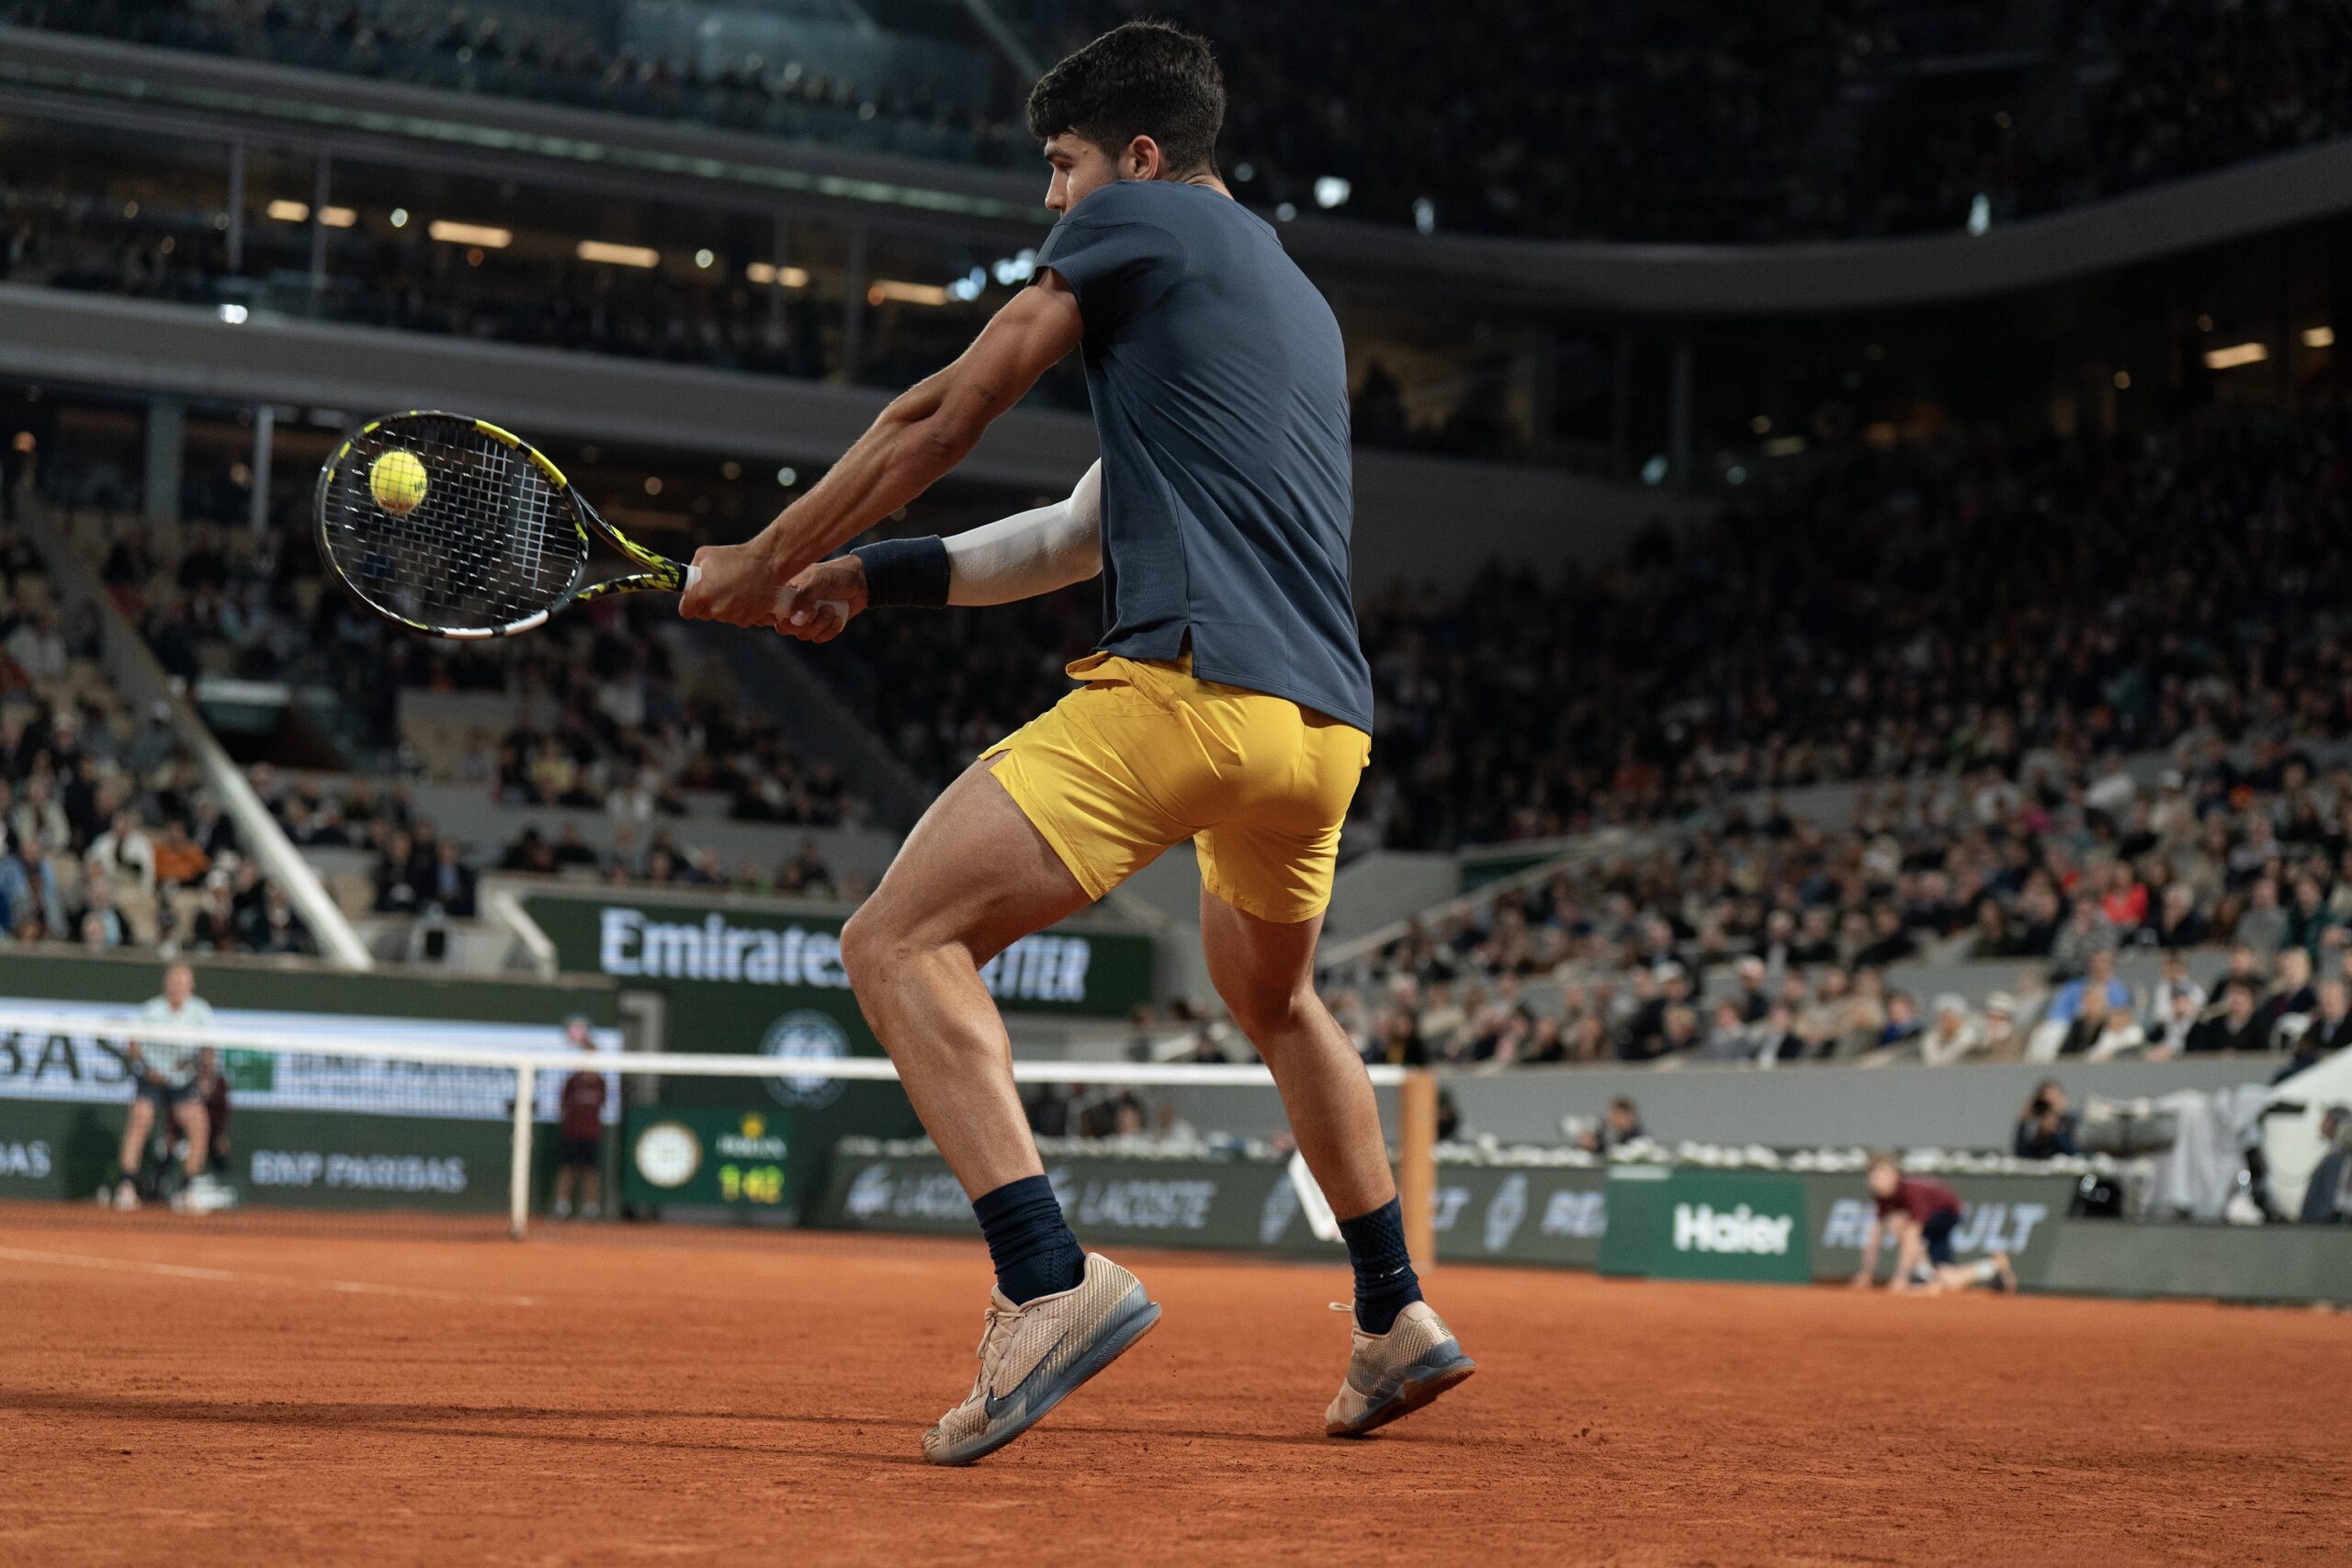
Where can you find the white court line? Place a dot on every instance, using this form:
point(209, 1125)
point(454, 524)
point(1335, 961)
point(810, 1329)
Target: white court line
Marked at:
point(187, 1272)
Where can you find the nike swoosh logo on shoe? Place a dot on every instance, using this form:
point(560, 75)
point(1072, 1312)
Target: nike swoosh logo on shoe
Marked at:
point(994, 1408)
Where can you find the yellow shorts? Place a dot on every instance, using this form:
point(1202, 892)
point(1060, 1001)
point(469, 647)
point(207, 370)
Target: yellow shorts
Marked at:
point(1144, 756)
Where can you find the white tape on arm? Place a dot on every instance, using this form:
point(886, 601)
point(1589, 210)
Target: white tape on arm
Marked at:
point(1030, 553)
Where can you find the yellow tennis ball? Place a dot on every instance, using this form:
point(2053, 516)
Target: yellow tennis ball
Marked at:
point(398, 482)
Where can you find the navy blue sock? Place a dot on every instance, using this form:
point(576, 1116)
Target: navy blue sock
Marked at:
point(1029, 1242)
point(1385, 1283)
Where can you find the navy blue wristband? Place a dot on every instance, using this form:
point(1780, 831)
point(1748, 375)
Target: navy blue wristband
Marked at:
point(906, 571)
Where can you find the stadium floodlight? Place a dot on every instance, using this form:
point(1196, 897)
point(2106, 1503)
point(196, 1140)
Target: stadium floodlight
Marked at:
point(1331, 191)
point(233, 314)
point(787, 477)
point(400, 216)
point(906, 293)
point(1286, 211)
point(1653, 471)
point(2319, 337)
point(286, 212)
point(2237, 353)
point(703, 258)
point(1425, 215)
point(783, 276)
point(643, 257)
point(482, 234)
point(1980, 214)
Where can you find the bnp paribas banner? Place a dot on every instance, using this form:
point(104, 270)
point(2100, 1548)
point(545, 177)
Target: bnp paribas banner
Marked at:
point(306, 1128)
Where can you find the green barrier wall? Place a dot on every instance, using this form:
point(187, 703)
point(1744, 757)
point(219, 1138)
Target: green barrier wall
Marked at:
point(763, 974)
point(1559, 1216)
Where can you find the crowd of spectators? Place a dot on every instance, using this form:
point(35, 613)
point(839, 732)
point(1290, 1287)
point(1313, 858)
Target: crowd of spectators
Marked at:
point(108, 838)
point(1966, 605)
point(56, 231)
point(1770, 939)
point(605, 719)
point(473, 51)
point(1690, 120)
point(659, 858)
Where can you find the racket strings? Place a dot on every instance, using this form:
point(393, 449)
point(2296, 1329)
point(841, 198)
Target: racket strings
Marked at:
point(490, 542)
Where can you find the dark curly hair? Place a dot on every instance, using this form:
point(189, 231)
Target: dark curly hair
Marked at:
point(1140, 79)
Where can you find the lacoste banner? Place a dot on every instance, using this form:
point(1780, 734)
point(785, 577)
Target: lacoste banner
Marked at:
point(1706, 1225)
point(1229, 1205)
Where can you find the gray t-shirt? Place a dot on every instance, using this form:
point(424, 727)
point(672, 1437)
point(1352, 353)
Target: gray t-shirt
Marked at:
point(1221, 406)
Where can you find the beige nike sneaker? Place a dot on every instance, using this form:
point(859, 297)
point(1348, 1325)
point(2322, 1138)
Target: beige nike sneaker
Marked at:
point(1395, 1374)
point(1033, 1355)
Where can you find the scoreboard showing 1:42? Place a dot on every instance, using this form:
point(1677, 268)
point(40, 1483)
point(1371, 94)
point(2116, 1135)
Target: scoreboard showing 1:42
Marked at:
point(689, 1156)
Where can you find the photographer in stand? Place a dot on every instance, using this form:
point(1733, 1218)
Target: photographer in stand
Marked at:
point(2046, 1126)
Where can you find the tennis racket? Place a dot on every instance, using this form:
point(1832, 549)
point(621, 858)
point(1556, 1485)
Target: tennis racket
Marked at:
point(453, 527)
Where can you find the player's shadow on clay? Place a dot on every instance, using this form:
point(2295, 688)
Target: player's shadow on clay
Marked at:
point(436, 1420)
point(460, 1421)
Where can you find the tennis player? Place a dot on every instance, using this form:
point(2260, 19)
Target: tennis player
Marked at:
point(1228, 703)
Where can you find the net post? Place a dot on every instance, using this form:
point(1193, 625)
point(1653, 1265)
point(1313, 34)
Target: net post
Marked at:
point(1417, 1165)
point(518, 1175)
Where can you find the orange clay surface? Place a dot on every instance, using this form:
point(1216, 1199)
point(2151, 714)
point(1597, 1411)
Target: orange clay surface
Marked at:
point(194, 1393)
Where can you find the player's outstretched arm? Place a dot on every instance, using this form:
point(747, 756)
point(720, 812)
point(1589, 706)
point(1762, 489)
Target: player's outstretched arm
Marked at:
point(1018, 557)
point(1031, 552)
point(924, 433)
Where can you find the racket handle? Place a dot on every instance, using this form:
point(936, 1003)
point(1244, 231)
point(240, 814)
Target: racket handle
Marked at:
point(837, 606)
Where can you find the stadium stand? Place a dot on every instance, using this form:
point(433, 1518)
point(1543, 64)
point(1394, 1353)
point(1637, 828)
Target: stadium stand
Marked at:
point(1662, 123)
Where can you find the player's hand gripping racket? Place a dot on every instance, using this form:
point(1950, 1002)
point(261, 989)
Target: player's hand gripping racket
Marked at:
point(453, 527)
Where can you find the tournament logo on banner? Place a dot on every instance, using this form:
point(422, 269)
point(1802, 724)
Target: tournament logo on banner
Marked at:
point(805, 1032)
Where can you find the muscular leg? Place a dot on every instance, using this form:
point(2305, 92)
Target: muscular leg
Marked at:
point(1265, 973)
point(973, 879)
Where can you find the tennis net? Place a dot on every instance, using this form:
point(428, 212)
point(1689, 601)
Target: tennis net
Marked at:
point(337, 1128)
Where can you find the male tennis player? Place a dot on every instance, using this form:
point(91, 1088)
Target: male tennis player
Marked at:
point(1228, 703)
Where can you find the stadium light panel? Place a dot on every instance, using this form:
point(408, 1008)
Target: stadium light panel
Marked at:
point(2239, 354)
point(907, 293)
point(2319, 337)
point(1331, 191)
point(640, 256)
point(338, 217)
point(286, 212)
point(785, 277)
point(481, 235)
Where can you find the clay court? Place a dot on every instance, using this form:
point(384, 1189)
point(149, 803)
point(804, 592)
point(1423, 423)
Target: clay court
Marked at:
point(613, 1395)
